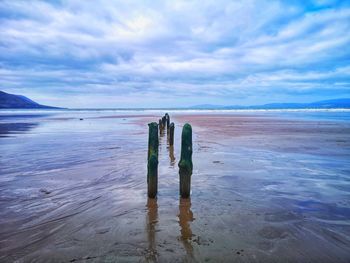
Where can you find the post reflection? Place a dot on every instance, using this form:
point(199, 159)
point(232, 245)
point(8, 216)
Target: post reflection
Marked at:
point(171, 155)
point(185, 218)
point(151, 222)
point(161, 134)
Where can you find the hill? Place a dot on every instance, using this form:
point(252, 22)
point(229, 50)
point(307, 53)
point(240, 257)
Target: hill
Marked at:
point(12, 101)
point(324, 104)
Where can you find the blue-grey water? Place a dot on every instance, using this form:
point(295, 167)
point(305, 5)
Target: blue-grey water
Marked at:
point(267, 186)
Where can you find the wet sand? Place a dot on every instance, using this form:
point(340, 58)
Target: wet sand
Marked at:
point(264, 189)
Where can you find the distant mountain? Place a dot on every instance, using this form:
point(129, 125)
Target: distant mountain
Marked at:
point(206, 106)
point(324, 104)
point(11, 101)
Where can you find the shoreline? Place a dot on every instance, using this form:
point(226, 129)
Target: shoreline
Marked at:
point(180, 110)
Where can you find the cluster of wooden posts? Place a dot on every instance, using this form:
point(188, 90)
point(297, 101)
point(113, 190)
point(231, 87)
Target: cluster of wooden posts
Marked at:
point(185, 164)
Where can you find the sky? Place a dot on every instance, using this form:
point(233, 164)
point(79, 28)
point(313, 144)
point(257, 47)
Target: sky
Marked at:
point(158, 53)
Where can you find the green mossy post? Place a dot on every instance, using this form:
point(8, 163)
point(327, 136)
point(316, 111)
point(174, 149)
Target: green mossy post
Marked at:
point(152, 176)
point(185, 163)
point(171, 134)
point(152, 165)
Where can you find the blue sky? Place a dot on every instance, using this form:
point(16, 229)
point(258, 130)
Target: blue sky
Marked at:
point(105, 53)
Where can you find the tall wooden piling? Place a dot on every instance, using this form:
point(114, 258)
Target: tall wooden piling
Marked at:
point(152, 165)
point(185, 163)
point(160, 125)
point(171, 134)
point(164, 121)
point(167, 118)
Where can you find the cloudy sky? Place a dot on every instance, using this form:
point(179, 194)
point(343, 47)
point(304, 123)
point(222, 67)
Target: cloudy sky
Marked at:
point(104, 53)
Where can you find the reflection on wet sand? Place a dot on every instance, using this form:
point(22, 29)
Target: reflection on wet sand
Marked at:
point(170, 149)
point(171, 155)
point(185, 217)
point(151, 221)
point(161, 138)
point(8, 129)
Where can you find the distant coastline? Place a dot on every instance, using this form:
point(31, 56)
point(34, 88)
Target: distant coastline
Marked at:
point(12, 102)
point(156, 110)
point(342, 103)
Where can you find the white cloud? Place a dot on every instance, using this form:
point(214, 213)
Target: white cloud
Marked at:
point(218, 49)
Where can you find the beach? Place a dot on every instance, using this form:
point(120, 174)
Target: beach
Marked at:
point(266, 187)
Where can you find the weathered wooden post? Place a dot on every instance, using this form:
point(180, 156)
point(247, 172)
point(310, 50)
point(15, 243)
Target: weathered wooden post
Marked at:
point(171, 134)
point(185, 163)
point(163, 121)
point(167, 118)
point(160, 125)
point(152, 165)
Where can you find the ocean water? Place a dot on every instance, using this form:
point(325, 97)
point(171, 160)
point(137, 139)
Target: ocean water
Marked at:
point(267, 186)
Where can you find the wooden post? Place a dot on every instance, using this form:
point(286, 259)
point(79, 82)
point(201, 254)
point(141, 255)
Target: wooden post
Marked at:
point(164, 121)
point(160, 125)
point(185, 163)
point(152, 165)
point(171, 135)
point(167, 118)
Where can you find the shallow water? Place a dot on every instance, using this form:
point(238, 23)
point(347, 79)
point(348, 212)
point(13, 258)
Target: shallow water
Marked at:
point(266, 187)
